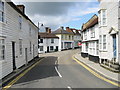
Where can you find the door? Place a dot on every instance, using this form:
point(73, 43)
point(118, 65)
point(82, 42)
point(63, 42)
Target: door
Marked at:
point(56, 48)
point(26, 56)
point(114, 46)
point(47, 48)
point(13, 55)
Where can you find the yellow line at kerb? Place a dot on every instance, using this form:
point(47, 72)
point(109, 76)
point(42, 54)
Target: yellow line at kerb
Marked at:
point(21, 75)
point(96, 74)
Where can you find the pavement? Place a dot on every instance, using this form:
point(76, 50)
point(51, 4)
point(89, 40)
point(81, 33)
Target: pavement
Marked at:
point(58, 70)
point(96, 66)
point(15, 73)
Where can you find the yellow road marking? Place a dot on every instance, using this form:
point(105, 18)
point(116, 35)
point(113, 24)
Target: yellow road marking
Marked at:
point(21, 75)
point(96, 74)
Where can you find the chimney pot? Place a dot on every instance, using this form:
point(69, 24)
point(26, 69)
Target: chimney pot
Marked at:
point(21, 8)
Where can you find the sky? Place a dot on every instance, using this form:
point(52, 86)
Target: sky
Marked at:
point(61, 13)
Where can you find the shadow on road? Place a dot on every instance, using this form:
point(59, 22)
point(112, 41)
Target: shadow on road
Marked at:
point(44, 69)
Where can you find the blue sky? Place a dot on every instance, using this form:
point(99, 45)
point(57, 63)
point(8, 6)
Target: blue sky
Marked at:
point(56, 14)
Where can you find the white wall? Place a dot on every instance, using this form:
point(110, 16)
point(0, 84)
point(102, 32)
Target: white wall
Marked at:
point(47, 42)
point(92, 42)
point(10, 30)
point(112, 21)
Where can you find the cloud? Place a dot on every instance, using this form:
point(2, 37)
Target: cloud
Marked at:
point(55, 14)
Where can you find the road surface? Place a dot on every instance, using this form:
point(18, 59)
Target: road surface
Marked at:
point(59, 70)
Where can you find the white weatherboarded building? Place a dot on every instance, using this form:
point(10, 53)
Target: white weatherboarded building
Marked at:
point(109, 26)
point(18, 38)
point(47, 42)
point(90, 42)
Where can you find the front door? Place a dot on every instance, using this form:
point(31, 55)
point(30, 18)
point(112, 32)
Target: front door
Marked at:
point(114, 46)
point(56, 48)
point(47, 48)
point(26, 56)
point(13, 55)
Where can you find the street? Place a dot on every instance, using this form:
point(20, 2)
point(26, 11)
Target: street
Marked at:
point(59, 70)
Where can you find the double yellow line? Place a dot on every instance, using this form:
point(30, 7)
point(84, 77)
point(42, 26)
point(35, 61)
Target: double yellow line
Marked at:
point(21, 75)
point(96, 74)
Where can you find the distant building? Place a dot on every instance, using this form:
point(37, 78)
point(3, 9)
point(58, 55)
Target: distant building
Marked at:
point(90, 42)
point(77, 36)
point(18, 38)
point(66, 39)
point(47, 42)
point(109, 33)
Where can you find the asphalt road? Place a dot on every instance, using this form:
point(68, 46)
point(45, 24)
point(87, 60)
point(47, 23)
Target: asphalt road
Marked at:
point(59, 70)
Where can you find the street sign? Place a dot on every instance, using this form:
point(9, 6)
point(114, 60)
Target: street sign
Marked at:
point(79, 43)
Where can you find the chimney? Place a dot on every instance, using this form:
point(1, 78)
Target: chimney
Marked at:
point(62, 27)
point(68, 29)
point(21, 8)
point(48, 30)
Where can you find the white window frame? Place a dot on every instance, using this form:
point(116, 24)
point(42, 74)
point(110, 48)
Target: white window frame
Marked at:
point(30, 47)
point(2, 11)
point(52, 40)
point(101, 18)
point(92, 32)
point(2, 50)
point(51, 49)
point(41, 48)
point(30, 29)
point(20, 47)
point(100, 42)
point(20, 22)
point(104, 42)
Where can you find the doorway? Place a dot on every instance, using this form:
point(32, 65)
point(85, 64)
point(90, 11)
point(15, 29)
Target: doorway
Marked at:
point(13, 55)
point(26, 56)
point(56, 48)
point(114, 46)
point(47, 48)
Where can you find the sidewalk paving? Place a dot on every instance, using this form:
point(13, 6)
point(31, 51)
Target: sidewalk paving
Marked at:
point(9, 77)
point(98, 68)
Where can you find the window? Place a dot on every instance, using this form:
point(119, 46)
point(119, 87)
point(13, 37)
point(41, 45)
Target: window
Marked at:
point(1, 11)
point(2, 49)
point(104, 42)
point(29, 29)
point(20, 22)
point(103, 17)
point(62, 37)
point(41, 48)
point(100, 41)
point(85, 35)
point(52, 40)
point(20, 46)
point(51, 48)
point(69, 37)
point(97, 45)
point(92, 32)
point(30, 47)
point(41, 40)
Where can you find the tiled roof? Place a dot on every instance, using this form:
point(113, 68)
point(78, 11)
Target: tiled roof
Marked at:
point(93, 21)
point(47, 35)
point(61, 31)
point(76, 31)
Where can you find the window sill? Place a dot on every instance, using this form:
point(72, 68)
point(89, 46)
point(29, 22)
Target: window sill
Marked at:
point(2, 23)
